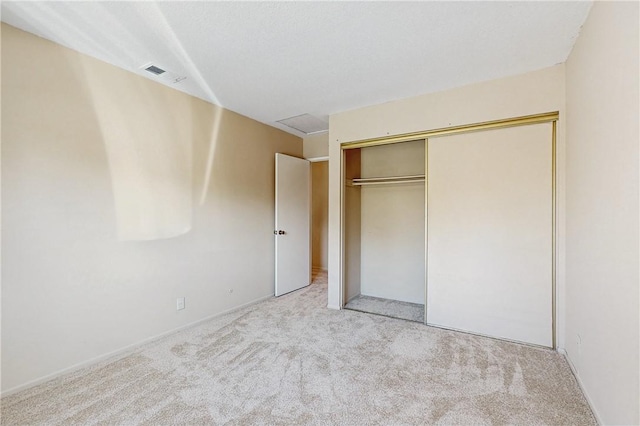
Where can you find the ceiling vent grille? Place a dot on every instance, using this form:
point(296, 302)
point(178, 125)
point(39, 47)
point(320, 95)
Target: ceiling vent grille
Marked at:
point(162, 75)
point(306, 123)
point(155, 70)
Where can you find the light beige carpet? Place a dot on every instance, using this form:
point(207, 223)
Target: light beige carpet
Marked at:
point(292, 361)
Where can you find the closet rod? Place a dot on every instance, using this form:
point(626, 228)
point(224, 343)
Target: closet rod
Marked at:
point(387, 180)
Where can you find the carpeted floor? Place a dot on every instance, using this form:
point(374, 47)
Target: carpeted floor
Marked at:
point(292, 361)
point(387, 307)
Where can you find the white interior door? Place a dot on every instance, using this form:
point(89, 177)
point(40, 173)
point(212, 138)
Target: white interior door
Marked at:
point(293, 224)
point(490, 233)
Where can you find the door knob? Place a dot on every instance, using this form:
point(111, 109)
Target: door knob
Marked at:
point(281, 232)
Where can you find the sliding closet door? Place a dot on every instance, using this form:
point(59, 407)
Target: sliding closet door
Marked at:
point(490, 239)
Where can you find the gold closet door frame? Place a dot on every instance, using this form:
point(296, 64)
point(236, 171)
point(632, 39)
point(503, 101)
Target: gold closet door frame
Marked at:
point(456, 130)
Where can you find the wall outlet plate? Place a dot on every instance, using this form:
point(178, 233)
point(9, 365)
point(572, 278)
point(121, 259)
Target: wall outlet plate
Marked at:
point(180, 304)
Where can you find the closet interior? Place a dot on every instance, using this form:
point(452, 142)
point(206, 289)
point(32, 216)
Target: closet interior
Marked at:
point(384, 200)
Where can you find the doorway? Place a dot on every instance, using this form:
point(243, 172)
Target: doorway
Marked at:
point(319, 218)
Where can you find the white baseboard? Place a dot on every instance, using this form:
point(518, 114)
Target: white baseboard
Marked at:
point(574, 370)
point(125, 349)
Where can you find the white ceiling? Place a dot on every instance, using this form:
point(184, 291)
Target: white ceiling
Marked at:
point(274, 60)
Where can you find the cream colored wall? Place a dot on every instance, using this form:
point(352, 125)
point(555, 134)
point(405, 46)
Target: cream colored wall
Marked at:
point(72, 290)
point(531, 93)
point(392, 224)
point(602, 211)
point(353, 225)
point(1, 316)
point(316, 146)
point(319, 214)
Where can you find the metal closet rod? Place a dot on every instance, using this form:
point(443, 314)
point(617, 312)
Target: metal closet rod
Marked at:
point(387, 180)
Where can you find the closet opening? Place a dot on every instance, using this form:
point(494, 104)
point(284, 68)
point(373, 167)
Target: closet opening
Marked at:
point(384, 234)
point(455, 227)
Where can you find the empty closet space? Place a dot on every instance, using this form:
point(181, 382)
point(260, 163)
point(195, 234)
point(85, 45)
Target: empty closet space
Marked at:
point(384, 200)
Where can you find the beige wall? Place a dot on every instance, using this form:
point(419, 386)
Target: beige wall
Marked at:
point(86, 150)
point(1, 314)
point(316, 146)
point(602, 211)
point(319, 214)
point(392, 224)
point(531, 93)
point(352, 225)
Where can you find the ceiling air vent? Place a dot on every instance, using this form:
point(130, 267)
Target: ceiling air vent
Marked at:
point(155, 70)
point(305, 123)
point(163, 76)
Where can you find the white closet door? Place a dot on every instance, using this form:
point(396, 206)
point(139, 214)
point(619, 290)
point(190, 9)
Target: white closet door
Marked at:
point(489, 244)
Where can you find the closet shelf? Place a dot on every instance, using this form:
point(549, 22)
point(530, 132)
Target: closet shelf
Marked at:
point(387, 180)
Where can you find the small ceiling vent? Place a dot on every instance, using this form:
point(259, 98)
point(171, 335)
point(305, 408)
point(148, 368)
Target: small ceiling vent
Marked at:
point(305, 123)
point(164, 76)
point(155, 70)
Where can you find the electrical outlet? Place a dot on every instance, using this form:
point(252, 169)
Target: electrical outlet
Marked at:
point(180, 304)
point(230, 290)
